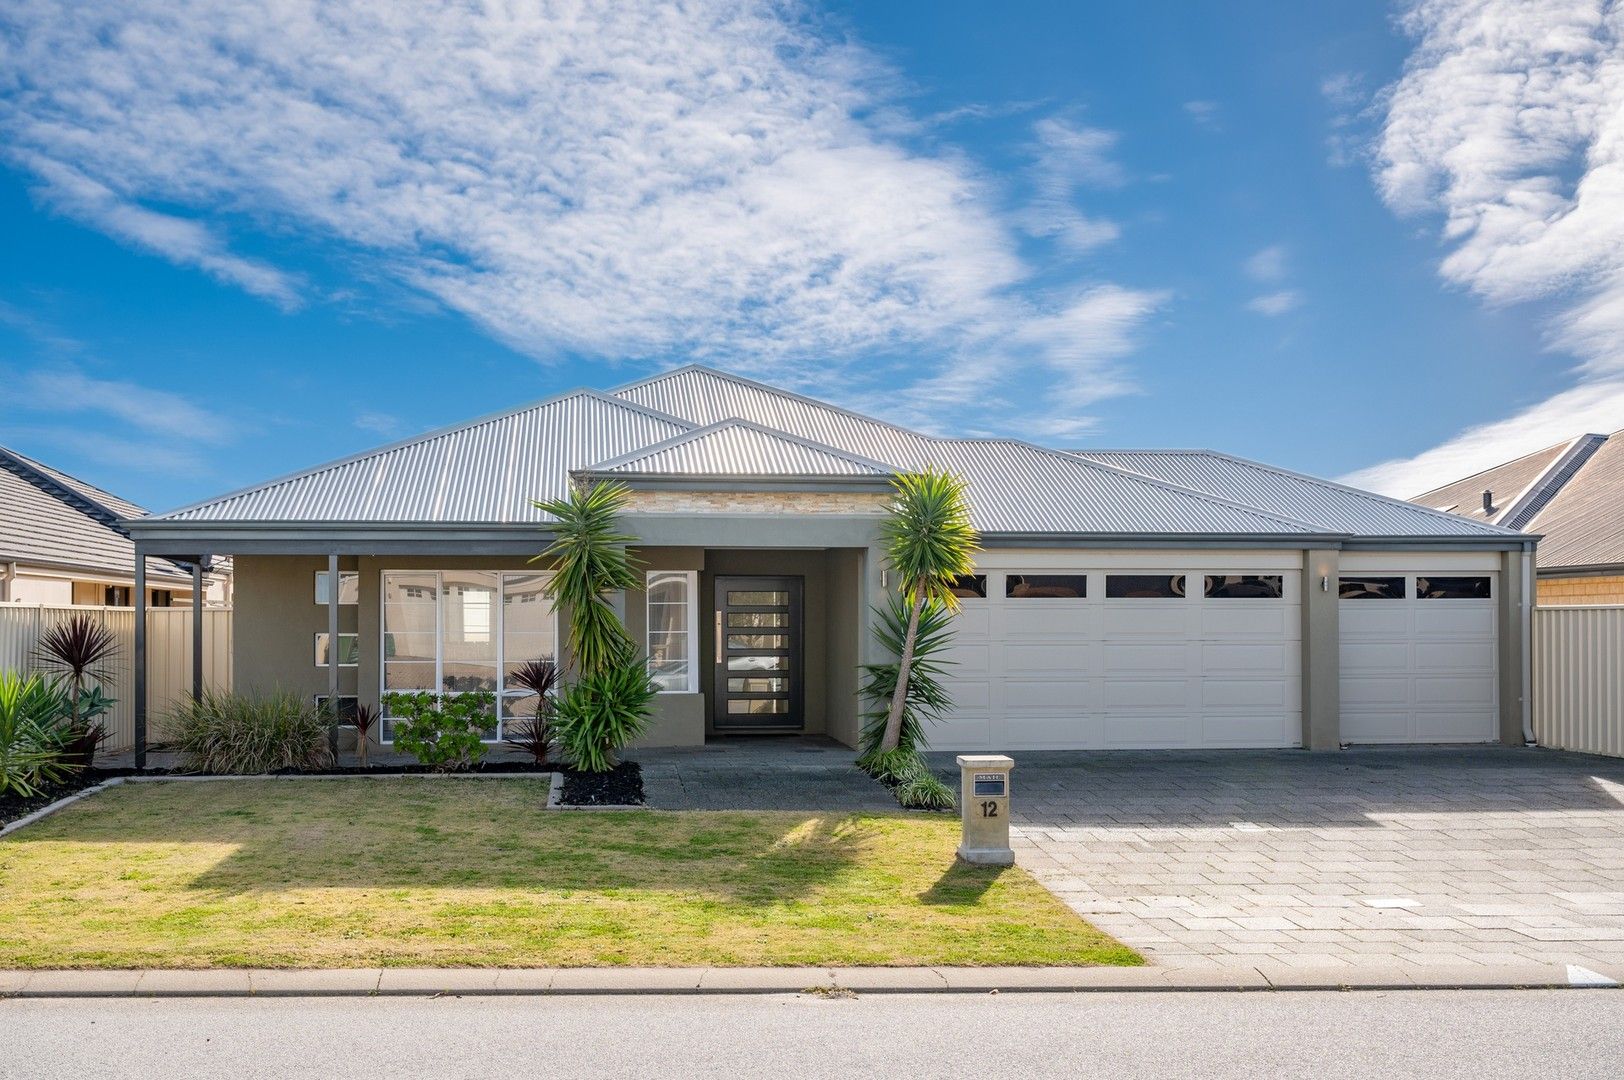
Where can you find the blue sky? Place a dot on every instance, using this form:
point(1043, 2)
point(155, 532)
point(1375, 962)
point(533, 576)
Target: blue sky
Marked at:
point(243, 240)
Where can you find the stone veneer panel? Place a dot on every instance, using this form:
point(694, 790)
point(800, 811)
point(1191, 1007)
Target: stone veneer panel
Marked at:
point(759, 502)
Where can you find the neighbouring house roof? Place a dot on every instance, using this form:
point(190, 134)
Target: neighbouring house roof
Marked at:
point(1572, 494)
point(695, 421)
point(51, 519)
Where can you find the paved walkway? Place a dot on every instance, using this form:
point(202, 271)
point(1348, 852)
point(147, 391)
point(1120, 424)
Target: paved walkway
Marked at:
point(760, 773)
point(1398, 859)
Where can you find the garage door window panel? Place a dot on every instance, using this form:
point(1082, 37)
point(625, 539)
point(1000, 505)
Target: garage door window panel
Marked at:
point(1144, 587)
point(970, 586)
point(1453, 588)
point(1046, 586)
point(1370, 588)
point(1244, 586)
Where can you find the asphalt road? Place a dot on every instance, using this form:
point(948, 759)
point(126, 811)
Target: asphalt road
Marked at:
point(1477, 1034)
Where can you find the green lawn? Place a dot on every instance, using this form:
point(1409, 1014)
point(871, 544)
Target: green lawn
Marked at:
point(475, 873)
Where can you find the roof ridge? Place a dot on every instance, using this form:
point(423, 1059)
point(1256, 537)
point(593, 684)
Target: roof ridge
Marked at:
point(1320, 481)
point(426, 437)
point(731, 422)
point(26, 468)
point(743, 380)
point(1500, 465)
point(1552, 480)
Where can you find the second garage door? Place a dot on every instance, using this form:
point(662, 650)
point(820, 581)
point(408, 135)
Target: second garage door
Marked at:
point(1125, 659)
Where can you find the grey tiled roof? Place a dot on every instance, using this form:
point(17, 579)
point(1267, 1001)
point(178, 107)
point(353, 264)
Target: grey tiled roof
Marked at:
point(698, 421)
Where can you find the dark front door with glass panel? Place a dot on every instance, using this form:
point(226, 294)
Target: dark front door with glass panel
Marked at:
point(758, 654)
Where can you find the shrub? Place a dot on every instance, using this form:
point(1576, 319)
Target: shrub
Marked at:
point(242, 735)
point(81, 651)
point(926, 699)
point(364, 721)
point(590, 559)
point(32, 710)
point(921, 789)
point(533, 734)
point(602, 712)
point(444, 732)
point(888, 766)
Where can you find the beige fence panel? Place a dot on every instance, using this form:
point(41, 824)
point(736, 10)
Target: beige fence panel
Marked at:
point(1579, 679)
point(169, 655)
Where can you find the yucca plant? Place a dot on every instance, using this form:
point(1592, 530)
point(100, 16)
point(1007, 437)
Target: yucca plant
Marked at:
point(926, 699)
point(601, 712)
point(81, 652)
point(590, 561)
point(929, 543)
point(534, 734)
point(237, 734)
point(365, 721)
point(31, 712)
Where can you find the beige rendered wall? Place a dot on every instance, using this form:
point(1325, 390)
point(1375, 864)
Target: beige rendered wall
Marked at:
point(1322, 650)
point(679, 719)
point(843, 714)
point(1566, 591)
point(276, 618)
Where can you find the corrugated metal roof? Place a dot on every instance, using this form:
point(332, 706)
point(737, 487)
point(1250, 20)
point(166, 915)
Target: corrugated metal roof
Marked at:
point(42, 524)
point(487, 470)
point(1330, 506)
point(1465, 496)
point(740, 448)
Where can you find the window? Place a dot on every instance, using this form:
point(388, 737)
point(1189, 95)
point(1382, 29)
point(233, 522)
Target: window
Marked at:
point(347, 705)
point(970, 586)
point(1370, 588)
point(349, 650)
point(1452, 588)
point(1144, 586)
point(1245, 586)
point(459, 631)
point(1045, 586)
point(163, 598)
point(116, 596)
point(673, 628)
point(349, 587)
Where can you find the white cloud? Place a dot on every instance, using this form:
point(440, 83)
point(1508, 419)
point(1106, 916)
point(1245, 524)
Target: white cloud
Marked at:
point(1203, 113)
point(1068, 158)
point(1344, 90)
point(1269, 264)
point(713, 179)
point(158, 412)
point(1509, 120)
point(379, 423)
point(1275, 303)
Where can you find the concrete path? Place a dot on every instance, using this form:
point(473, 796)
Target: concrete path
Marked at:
point(1401, 860)
point(1468, 1035)
point(760, 773)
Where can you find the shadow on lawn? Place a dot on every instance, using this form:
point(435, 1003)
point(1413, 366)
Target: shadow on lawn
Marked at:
point(962, 885)
point(486, 835)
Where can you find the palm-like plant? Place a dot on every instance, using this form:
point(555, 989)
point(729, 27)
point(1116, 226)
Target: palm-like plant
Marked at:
point(534, 734)
point(364, 721)
point(31, 709)
point(591, 561)
point(929, 543)
point(926, 699)
point(81, 651)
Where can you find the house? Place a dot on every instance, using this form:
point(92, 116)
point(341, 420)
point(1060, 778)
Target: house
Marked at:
point(1123, 599)
point(1572, 496)
point(62, 543)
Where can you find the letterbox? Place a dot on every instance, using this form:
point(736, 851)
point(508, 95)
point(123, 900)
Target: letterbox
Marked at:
point(984, 809)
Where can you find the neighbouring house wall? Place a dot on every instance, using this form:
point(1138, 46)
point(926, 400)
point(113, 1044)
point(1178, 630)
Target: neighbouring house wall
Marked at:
point(54, 592)
point(1566, 591)
point(277, 618)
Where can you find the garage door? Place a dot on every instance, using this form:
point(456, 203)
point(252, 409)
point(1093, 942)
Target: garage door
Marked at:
point(1419, 658)
point(1125, 659)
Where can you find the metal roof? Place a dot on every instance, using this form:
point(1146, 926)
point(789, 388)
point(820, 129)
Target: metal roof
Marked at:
point(487, 470)
point(740, 448)
point(48, 518)
point(1329, 506)
point(695, 421)
point(1572, 494)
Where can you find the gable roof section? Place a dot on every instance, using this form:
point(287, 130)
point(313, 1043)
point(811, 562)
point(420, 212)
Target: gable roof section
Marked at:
point(1583, 518)
point(1330, 506)
point(1508, 482)
point(48, 518)
point(486, 470)
point(740, 448)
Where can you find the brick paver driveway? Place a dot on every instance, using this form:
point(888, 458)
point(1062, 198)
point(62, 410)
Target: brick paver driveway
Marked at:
point(1422, 856)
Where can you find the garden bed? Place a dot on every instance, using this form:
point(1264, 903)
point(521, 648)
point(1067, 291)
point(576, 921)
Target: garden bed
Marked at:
point(621, 786)
point(14, 807)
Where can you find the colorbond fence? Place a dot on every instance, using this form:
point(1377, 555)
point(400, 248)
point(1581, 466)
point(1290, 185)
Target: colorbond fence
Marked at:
point(1579, 679)
point(169, 655)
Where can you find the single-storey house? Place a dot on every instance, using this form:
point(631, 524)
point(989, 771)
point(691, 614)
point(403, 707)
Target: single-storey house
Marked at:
point(63, 544)
point(1572, 495)
point(1124, 599)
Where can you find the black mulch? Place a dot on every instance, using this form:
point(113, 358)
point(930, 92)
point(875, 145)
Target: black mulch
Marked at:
point(621, 786)
point(14, 806)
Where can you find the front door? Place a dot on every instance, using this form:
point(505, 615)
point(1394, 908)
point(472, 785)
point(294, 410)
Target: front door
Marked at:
point(758, 654)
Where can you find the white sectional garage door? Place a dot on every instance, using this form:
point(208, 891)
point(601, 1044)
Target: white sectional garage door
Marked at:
point(1419, 657)
point(1130, 665)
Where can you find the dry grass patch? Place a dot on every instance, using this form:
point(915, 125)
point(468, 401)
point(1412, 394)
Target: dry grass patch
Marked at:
point(416, 872)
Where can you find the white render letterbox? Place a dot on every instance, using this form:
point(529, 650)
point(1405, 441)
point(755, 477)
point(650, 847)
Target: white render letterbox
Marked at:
point(984, 809)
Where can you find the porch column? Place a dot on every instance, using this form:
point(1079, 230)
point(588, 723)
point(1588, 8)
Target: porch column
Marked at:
point(1322, 650)
point(140, 658)
point(197, 630)
point(332, 654)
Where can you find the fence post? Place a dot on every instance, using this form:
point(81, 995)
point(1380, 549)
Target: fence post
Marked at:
point(140, 650)
point(197, 631)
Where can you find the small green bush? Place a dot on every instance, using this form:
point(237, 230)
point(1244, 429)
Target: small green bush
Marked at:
point(888, 766)
point(33, 715)
point(242, 735)
point(921, 789)
point(443, 732)
point(601, 712)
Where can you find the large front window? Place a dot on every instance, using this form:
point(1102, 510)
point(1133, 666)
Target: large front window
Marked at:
point(456, 631)
point(672, 629)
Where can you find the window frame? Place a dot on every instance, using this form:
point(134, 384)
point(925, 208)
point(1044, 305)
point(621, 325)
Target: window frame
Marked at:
point(690, 580)
point(315, 588)
point(315, 651)
point(498, 628)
